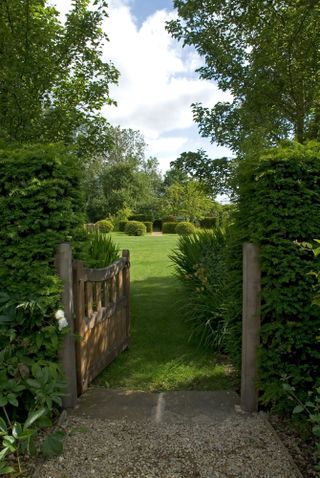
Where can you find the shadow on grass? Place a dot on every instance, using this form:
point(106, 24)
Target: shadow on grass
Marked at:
point(161, 357)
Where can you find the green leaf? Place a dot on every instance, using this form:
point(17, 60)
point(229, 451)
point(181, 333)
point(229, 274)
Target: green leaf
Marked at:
point(298, 409)
point(33, 416)
point(53, 444)
point(3, 426)
point(6, 470)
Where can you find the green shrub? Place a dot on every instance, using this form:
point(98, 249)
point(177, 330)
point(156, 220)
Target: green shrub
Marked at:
point(200, 264)
point(185, 228)
point(169, 227)
point(208, 222)
point(122, 225)
point(135, 228)
point(149, 226)
point(168, 219)
point(278, 208)
point(40, 203)
point(104, 226)
point(99, 250)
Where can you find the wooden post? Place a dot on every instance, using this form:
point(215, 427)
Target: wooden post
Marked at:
point(250, 327)
point(67, 354)
point(126, 255)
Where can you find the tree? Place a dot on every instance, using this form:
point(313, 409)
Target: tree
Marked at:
point(53, 80)
point(215, 175)
point(187, 200)
point(266, 53)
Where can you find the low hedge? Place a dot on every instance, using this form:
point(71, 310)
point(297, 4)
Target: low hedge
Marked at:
point(135, 228)
point(169, 227)
point(208, 222)
point(122, 225)
point(140, 217)
point(185, 228)
point(149, 226)
point(104, 226)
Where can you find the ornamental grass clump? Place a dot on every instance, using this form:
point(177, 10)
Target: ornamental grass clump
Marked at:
point(99, 250)
point(135, 228)
point(200, 264)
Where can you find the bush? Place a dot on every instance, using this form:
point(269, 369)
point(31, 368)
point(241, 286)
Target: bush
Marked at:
point(279, 207)
point(185, 228)
point(99, 250)
point(122, 225)
point(149, 226)
point(40, 203)
point(200, 264)
point(208, 222)
point(169, 219)
point(135, 228)
point(104, 226)
point(169, 227)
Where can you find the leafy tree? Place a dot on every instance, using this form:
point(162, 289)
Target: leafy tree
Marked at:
point(53, 80)
point(266, 54)
point(215, 175)
point(188, 200)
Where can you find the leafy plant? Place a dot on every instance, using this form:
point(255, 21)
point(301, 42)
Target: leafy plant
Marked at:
point(135, 228)
point(149, 226)
point(200, 264)
point(169, 227)
point(99, 250)
point(185, 228)
point(104, 226)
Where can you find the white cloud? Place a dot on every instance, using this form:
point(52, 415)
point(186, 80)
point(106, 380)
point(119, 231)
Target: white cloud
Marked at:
point(157, 83)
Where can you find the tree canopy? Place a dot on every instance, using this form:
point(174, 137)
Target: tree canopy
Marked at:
point(267, 55)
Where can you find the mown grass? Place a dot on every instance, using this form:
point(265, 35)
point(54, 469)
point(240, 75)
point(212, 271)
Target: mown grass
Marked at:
point(160, 356)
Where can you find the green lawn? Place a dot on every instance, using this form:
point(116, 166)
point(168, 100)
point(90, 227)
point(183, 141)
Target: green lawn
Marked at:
point(160, 356)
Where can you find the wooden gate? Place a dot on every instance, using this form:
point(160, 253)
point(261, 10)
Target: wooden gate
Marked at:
point(102, 316)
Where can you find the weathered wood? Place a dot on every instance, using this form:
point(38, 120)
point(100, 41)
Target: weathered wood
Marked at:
point(101, 317)
point(250, 326)
point(126, 257)
point(63, 263)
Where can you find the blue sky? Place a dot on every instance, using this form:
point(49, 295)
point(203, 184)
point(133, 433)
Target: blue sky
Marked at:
point(158, 83)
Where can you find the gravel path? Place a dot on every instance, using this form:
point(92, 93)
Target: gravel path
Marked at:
point(169, 444)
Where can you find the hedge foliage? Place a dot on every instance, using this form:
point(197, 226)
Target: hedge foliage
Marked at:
point(135, 228)
point(185, 228)
point(169, 227)
point(140, 218)
point(149, 226)
point(208, 222)
point(278, 209)
point(104, 225)
point(40, 203)
point(122, 225)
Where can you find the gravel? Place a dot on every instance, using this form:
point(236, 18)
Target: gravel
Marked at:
point(239, 446)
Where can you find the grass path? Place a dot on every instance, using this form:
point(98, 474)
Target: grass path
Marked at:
point(160, 356)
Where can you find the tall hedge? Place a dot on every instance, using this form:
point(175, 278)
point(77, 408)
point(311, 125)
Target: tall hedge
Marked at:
point(279, 208)
point(40, 203)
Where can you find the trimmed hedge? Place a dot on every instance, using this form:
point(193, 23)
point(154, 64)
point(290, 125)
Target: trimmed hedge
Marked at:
point(169, 227)
point(104, 226)
point(168, 219)
point(140, 218)
point(135, 228)
point(122, 225)
point(279, 208)
point(41, 205)
point(185, 228)
point(149, 226)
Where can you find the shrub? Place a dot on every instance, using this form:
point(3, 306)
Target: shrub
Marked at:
point(99, 250)
point(200, 264)
point(185, 228)
point(169, 227)
point(135, 228)
point(208, 222)
point(169, 219)
point(149, 226)
point(122, 225)
point(279, 207)
point(104, 226)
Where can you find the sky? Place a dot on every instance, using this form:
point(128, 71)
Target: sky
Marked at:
point(157, 82)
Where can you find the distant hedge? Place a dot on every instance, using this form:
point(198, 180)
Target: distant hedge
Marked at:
point(209, 222)
point(185, 228)
point(140, 218)
point(149, 226)
point(278, 209)
point(169, 227)
point(122, 225)
point(104, 226)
